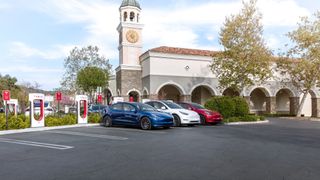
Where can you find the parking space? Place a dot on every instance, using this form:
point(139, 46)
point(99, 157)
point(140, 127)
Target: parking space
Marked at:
point(263, 151)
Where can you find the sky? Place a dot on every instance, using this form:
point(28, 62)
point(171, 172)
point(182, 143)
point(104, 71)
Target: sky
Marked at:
point(37, 35)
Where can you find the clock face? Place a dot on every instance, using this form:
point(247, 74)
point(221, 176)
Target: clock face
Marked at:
point(132, 36)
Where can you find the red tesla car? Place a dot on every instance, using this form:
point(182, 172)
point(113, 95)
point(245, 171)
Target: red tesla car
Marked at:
point(206, 116)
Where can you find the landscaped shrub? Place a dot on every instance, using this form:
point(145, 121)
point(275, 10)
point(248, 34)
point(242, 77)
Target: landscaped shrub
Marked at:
point(94, 118)
point(246, 118)
point(233, 109)
point(224, 105)
point(14, 122)
point(60, 121)
point(241, 106)
point(22, 121)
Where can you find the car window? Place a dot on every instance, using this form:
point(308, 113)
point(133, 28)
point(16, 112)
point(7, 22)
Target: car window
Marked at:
point(184, 105)
point(146, 107)
point(198, 106)
point(116, 107)
point(159, 105)
point(128, 108)
point(150, 104)
point(172, 105)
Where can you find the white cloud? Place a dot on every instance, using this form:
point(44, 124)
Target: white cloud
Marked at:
point(172, 27)
point(281, 12)
point(20, 50)
point(100, 20)
point(29, 69)
point(4, 6)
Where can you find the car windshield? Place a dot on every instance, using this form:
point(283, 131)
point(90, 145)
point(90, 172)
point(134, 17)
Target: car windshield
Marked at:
point(97, 107)
point(198, 106)
point(172, 105)
point(146, 107)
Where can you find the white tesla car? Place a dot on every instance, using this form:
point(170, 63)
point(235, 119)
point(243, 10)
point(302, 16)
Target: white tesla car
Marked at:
point(181, 116)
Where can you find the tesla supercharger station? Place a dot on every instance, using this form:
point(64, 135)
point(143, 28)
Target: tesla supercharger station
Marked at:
point(36, 117)
point(82, 109)
point(13, 106)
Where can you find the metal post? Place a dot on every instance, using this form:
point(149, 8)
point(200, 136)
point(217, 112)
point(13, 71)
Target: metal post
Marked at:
point(59, 108)
point(6, 111)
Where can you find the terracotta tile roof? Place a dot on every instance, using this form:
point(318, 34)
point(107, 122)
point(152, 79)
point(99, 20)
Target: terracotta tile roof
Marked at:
point(183, 51)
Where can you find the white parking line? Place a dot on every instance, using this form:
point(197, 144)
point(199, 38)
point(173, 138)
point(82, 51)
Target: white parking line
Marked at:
point(88, 135)
point(36, 144)
point(129, 130)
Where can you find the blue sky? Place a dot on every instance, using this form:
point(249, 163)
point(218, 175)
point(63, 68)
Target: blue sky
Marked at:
point(36, 35)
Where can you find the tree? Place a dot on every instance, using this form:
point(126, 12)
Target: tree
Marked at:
point(245, 60)
point(79, 59)
point(89, 78)
point(300, 65)
point(8, 83)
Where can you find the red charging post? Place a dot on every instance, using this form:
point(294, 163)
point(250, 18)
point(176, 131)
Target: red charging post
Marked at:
point(58, 98)
point(6, 97)
point(99, 98)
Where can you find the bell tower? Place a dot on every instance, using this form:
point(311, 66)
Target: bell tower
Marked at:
point(129, 72)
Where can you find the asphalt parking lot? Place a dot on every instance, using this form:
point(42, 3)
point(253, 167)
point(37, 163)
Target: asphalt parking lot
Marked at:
point(282, 149)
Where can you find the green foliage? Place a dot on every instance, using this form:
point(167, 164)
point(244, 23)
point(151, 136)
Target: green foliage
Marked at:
point(69, 119)
point(224, 105)
point(246, 118)
point(22, 121)
point(303, 72)
point(228, 106)
point(89, 78)
point(94, 118)
point(241, 106)
point(14, 122)
point(78, 60)
point(245, 58)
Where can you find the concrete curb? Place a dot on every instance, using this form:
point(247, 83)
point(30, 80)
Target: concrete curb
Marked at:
point(246, 123)
point(301, 118)
point(44, 129)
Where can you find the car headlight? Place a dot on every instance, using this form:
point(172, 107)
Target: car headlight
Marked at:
point(207, 113)
point(186, 114)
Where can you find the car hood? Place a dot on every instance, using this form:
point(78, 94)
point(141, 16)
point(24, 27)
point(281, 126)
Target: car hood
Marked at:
point(186, 111)
point(159, 114)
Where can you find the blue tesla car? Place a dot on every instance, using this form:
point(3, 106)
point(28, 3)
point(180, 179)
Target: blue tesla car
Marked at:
point(136, 114)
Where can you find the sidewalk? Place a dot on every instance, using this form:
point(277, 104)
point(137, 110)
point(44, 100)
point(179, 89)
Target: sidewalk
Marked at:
point(301, 118)
point(44, 129)
point(247, 123)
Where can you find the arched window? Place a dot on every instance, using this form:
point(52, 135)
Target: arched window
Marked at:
point(125, 16)
point(132, 16)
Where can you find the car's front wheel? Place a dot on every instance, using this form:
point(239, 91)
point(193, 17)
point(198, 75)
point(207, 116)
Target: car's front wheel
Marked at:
point(107, 121)
point(202, 119)
point(176, 120)
point(145, 123)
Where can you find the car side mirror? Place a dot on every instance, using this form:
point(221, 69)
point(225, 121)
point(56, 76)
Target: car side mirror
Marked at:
point(163, 108)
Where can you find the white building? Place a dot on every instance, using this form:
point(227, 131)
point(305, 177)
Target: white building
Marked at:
point(183, 74)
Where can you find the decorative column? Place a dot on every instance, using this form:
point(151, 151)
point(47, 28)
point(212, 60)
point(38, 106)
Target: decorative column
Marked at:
point(153, 97)
point(185, 98)
point(315, 107)
point(271, 105)
point(247, 98)
point(294, 105)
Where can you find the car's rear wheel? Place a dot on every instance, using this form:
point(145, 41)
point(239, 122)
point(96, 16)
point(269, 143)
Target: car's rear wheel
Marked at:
point(176, 120)
point(107, 121)
point(145, 123)
point(203, 119)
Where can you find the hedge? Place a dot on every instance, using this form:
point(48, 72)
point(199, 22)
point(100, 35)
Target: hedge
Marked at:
point(246, 118)
point(14, 122)
point(69, 119)
point(228, 106)
point(22, 121)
